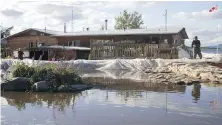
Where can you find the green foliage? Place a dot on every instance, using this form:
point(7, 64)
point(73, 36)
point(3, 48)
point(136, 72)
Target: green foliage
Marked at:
point(67, 76)
point(129, 20)
point(39, 75)
point(50, 73)
point(4, 33)
point(8, 57)
point(22, 70)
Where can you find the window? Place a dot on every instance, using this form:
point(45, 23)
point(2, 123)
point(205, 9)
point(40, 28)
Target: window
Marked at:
point(69, 43)
point(175, 41)
point(165, 40)
point(40, 44)
point(154, 42)
point(74, 43)
point(77, 43)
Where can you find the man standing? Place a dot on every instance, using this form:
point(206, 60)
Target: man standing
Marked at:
point(196, 44)
point(20, 54)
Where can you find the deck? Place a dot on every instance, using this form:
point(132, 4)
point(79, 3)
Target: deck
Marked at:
point(115, 50)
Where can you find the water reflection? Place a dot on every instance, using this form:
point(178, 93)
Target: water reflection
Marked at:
point(59, 101)
point(100, 105)
point(120, 101)
point(129, 84)
point(136, 76)
point(126, 91)
point(196, 92)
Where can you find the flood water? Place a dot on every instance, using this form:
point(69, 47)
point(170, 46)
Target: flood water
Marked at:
point(122, 102)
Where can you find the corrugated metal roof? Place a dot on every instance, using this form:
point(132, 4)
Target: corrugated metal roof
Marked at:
point(122, 32)
point(64, 47)
point(170, 30)
point(52, 32)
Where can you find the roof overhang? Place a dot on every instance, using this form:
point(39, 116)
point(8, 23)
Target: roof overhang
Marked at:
point(122, 32)
point(27, 30)
point(61, 48)
point(131, 34)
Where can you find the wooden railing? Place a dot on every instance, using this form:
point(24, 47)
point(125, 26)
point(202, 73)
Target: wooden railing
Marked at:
point(131, 50)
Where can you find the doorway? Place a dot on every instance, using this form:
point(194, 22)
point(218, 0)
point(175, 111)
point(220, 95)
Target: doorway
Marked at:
point(37, 54)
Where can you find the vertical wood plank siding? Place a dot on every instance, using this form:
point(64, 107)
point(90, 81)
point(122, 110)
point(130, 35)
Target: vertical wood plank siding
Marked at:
point(131, 50)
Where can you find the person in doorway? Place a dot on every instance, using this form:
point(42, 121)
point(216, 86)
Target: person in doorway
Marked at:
point(196, 45)
point(20, 54)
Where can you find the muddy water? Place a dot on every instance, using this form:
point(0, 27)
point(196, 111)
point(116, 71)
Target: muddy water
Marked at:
point(122, 102)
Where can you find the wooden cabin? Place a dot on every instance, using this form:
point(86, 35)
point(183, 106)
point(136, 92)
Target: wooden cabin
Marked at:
point(130, 43)
point(36, 42)
point(28, 38)
point(103, 44)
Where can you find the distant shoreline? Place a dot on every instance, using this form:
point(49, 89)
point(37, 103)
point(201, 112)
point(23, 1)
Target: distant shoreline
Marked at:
point(206, 48)
point(209, 48)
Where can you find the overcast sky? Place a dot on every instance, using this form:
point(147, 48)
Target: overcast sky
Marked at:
point(194, 16)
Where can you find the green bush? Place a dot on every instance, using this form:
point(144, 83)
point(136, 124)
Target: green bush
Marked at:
point(39, 75)
point(54, 76)
point(22, 70)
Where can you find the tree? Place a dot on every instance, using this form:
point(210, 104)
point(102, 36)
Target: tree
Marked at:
point(4, 33)
point(129, 20)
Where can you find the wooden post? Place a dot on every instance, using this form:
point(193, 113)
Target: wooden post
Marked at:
point(48, 54)
point(91, 49)
point(150, 39)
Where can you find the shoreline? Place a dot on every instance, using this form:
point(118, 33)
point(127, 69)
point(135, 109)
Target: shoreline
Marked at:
point(159, 71)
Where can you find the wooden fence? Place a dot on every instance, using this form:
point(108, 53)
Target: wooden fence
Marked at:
point(131, 50)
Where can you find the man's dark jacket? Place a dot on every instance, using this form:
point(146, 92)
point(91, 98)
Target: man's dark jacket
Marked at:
point(196, 43)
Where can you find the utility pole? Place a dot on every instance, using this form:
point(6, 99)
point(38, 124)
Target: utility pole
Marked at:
point(45, 24)
point(217, 29)
point(166, 19)
point(0, 34)
point(72, 18)
point(1, 39)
